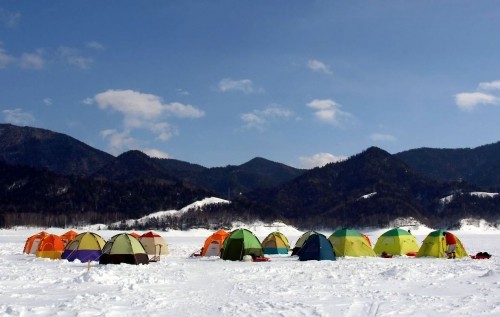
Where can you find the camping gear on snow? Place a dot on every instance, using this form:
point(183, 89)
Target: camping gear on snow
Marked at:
point(350, 242)
point(155, 245)
point(33, 241)
point(434, 245)
point(51, 247)
point(239, 243)
point(316, 247)
point(396, 242)
point(84, 247)
point(68, 236)
point(123, 248)
point(301, 240)
point(481, 255)
point(275, 243)
point(213, 244)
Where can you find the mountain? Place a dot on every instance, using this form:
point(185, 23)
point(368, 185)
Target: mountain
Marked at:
point(480, 165)
point(370, 189)
point(53, 151)
point(30, 196)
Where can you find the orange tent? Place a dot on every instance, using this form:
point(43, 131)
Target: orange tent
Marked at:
point(68, 236)
point(213, 244)
point(51, 247)
point(135, 235)
point(33, 241)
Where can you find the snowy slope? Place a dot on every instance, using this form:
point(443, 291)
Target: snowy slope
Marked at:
point(182, 286)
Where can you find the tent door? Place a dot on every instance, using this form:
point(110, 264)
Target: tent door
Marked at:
point(234, 250)
point(271, 244)
point(156, 257)
point(213, 249)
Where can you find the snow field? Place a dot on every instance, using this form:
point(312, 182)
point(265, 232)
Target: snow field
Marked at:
point(183, 286)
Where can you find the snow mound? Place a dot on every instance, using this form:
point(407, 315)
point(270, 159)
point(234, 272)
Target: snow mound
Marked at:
point(201, 203)
point(447, 199)
point(476, 225)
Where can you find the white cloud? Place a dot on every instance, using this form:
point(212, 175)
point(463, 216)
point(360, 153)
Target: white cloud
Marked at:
point(73, 57)
point(467, 101)
point(95, 45)
point(155, 153)
point(328, 110)
point(47, 101)
point(320, 159)
point(140, 111)
point(18, 117)
point(6, 59)
point(88, 101)
point(32, 60)
point(382, 137)
point(490, 85)
point(9, 19)
point(244, 85)
point(257, 119)
point(317, 66)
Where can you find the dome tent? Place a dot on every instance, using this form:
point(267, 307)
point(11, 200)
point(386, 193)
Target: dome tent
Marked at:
point(213, 244)
point(84, 247)
point(275, 243)
point(239, 243)
point(33, 241)
point(301, 240)
point(317, 247)
point(68, 236)
point(434, 245)
point(396, 242)
point(123, 248)
point(349, 242)
point(154, 244)
point(51, 247)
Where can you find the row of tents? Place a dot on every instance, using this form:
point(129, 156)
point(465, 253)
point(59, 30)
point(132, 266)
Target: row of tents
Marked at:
point(235, 245)
point(89, 246)
point(312, 245)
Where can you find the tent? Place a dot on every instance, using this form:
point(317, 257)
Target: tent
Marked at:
point(33, 241)
point(154, 244)
point(51, 247)
point(349, 242)
point(84, 247)
point(123, 248)
point(396, 242)
point(317, 247)
point(275, 243)
point(135, 235)
point(213, 244)
point(434, 245)
point(68, 236)
point(367, 239)
point(301, 240)
point(239, 243)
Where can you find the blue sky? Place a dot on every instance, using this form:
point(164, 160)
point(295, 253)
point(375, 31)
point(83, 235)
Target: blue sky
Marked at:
point(221, 82)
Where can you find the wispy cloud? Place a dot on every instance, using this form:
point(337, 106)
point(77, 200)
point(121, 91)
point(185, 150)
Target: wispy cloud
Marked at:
point(327, 110)
point(47, 101)
point(319, 159)
point(95, 45)
point(381, 137)
point(258, 119)
point(318, 66)
point(18, 116)
point(73, 57)
point(140, 111)
point(243, 85)
point(5, 59)
point(9, 19)
point(485, 94)
point(32, 60)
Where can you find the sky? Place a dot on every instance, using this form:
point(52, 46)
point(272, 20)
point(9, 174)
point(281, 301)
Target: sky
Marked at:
point(218, 83)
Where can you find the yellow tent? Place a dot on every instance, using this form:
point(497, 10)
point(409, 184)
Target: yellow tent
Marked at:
point(434, 245)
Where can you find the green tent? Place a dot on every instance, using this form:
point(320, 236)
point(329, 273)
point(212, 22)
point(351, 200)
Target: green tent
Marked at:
point(123, 248)
point(239, 243)
point(434, 245)
point(349, 242)
point(397, 242)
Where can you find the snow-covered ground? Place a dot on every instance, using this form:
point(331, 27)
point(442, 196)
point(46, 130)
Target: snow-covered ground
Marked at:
point(183, 286)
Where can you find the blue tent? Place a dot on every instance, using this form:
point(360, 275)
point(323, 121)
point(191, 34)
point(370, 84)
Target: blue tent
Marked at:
point(317, 247)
